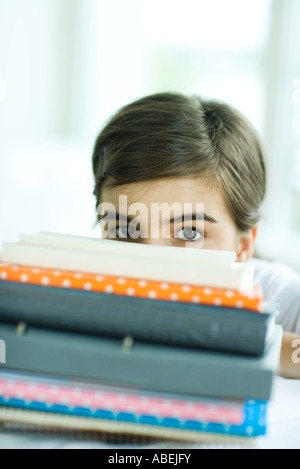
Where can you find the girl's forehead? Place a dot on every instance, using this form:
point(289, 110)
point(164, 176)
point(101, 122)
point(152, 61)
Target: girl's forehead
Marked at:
point(181, 190)
point(171, 198)
point(182, 195)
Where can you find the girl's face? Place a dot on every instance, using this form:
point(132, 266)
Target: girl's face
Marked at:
point(178, 212)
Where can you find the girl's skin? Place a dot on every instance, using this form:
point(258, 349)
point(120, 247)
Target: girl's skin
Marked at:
point(216, 231)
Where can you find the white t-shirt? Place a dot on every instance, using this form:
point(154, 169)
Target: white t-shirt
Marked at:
point(280, 284)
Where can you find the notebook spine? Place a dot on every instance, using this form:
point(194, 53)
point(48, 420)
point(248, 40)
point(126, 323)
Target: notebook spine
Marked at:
point(182, 324)
point(253, 425)
point(141, 365)
point(114, 430)
point(236, 276)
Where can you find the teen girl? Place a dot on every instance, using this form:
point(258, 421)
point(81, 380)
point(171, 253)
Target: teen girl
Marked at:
point(175, 149)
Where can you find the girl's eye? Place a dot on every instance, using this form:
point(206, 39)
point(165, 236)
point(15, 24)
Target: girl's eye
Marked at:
point(189, 234)
point(126, 231)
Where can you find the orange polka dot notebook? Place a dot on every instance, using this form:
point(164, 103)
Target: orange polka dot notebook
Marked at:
point(135, 287)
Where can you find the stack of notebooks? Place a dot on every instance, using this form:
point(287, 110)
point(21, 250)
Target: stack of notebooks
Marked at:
point(127, 339)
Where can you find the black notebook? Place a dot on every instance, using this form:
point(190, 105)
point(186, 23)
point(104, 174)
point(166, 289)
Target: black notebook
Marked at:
point(225, 329)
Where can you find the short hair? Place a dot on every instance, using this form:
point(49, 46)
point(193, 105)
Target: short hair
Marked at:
point(171, 135)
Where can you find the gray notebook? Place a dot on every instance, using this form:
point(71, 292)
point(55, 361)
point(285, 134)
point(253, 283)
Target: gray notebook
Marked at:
point(203, 326)
point(147, 366)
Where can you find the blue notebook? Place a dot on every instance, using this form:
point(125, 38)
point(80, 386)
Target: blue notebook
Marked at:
point(40, 398)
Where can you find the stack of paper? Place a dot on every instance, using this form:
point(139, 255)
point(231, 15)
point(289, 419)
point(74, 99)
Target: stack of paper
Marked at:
point(180, 329)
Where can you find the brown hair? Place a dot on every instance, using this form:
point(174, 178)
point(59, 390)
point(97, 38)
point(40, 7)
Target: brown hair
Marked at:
point(172, 135)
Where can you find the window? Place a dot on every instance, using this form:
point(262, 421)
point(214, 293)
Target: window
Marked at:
point(216, 49)
point(295, 167)
point(279, 236)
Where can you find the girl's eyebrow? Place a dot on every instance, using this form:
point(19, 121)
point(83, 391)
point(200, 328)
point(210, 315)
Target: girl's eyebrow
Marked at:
point(116, 216)
point(179, 218)
point(193, 217)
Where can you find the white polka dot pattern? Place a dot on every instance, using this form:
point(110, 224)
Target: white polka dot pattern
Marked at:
point(143, 288)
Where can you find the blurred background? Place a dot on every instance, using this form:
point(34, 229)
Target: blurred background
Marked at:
point(67, 65)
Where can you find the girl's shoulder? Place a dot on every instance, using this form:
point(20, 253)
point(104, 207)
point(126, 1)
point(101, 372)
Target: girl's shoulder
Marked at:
point(281, 284)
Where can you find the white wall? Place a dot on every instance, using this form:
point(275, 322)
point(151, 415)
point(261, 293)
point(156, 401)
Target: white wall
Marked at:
point(45, 171)
point(67, 65)
point(36, 60)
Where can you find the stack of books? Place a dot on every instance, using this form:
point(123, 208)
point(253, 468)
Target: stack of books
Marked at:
point(128, 339)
